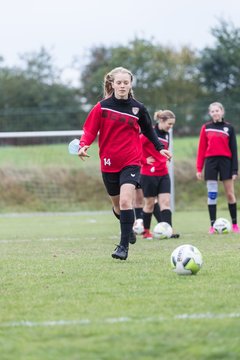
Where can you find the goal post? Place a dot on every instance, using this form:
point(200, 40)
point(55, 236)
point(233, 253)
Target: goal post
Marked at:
point(171, 171)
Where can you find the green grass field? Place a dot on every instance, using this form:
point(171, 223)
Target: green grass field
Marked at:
point(64, 297)
point(57, 155)
point(47, 178)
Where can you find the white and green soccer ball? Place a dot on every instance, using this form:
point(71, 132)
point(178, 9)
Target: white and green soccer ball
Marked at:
point(162, 231)
point(222, 226)
point(186, 260)
point(138, 227)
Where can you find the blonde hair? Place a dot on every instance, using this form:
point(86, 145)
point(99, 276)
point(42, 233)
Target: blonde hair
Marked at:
point(217, 104)
point(109, 78)
point(163, 115)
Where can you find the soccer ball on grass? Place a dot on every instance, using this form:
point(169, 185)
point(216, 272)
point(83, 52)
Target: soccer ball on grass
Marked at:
point(138, 227)
point(186, 260)
point(162, 231)
point(222, 226)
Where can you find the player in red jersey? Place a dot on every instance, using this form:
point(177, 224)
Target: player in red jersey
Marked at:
point(155, 179)
point(217, 150)
point(118, 119)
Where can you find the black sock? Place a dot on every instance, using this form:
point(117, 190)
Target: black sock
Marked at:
point(117, 215)
point(126, 224)
point(212, 209)
point(138, 213)
point(147, 217)
point(233, 212)
point(157, 212)
point(166, 216)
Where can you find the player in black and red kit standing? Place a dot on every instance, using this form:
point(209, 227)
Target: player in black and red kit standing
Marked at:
point(118, 119)
point(155, 179)
point(217, 150)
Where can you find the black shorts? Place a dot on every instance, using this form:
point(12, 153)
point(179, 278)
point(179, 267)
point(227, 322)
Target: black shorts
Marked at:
point(154, 185)
point(218, 168)
point(113, 181)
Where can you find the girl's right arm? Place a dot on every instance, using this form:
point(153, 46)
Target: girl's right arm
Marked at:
point(90, 130)
point(91, 126)
point(202, 144)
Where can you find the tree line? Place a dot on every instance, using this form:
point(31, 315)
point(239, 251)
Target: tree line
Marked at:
point(186, 81)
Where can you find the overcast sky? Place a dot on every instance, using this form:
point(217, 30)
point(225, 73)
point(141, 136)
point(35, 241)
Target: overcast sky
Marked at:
point(68, 28)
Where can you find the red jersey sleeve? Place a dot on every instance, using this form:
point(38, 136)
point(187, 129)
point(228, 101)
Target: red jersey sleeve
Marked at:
point(202, 146)
point(144, 142)
point(91, 126)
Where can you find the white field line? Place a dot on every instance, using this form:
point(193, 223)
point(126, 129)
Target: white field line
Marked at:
point(203, 316)
point(49, 239)
point(37, 240)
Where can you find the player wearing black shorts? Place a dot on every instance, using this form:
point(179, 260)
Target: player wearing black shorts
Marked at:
point(155, 180)
point(217, 153)
point(118, 119)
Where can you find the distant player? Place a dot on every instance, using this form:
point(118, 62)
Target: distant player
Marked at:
point(155, 180)
point(217, 151)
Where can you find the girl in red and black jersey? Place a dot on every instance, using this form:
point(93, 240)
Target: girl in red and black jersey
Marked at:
point(155, 180)
point(217, 150)
point(118, 119)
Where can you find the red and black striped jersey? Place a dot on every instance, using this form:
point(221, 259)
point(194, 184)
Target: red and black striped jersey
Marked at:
point(159, 166)
point(217, 139)
point(119, 123)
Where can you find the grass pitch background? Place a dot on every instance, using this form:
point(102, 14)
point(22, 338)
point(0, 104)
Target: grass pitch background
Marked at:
point(64, 297)
point(47, 178)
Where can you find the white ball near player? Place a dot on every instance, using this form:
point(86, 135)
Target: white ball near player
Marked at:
point(162, 231)
point(186, 260)
point(222, 226)
point(138, 227)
